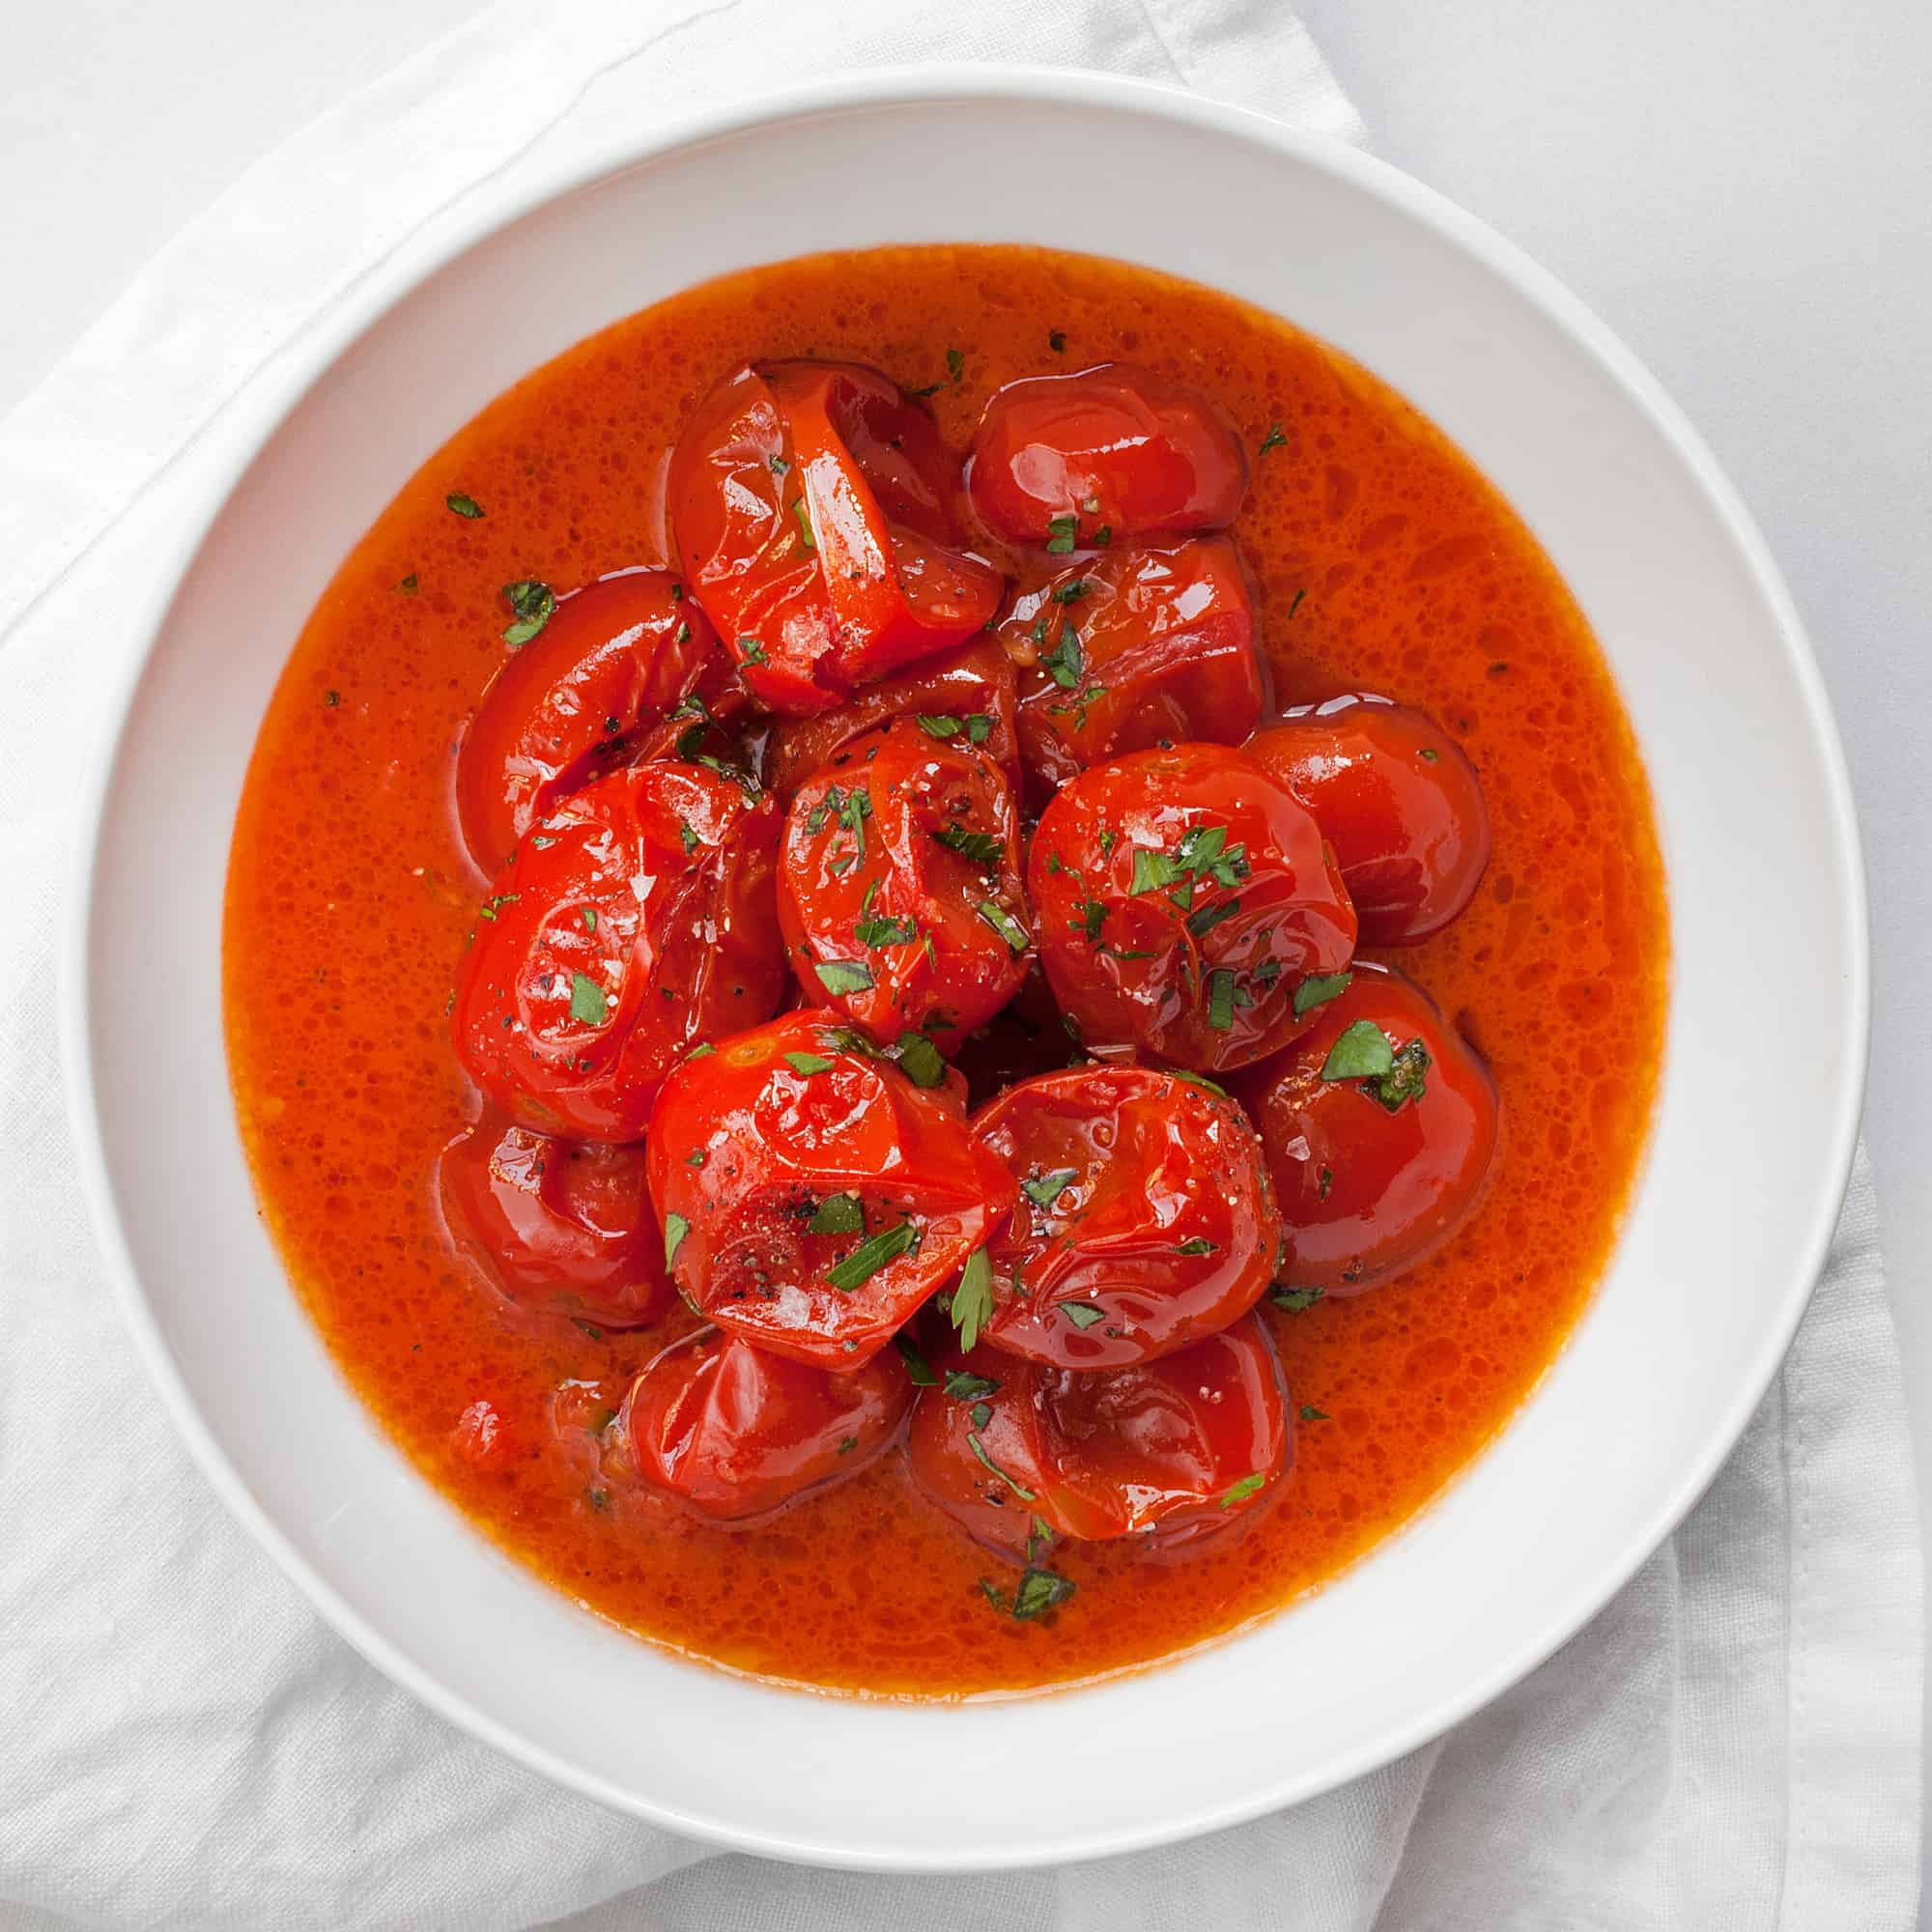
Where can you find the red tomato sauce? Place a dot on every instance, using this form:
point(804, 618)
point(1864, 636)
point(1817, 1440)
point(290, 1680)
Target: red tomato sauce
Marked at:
point(1381, 562)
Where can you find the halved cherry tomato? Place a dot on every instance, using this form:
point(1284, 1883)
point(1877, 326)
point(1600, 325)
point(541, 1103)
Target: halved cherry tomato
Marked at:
point(1399, 801)
point(1145, 1220)
point(738, 1433)
point(616, 657)
point(1132, 649)
point(813, 504)
point(971, 691)
point(639, 916)
point(811, 1193)
point(559, 1224)
point(1112, 453)
point(900, 893)
point(1018, 1453)
point(1181, 897)
point(1379, 1125)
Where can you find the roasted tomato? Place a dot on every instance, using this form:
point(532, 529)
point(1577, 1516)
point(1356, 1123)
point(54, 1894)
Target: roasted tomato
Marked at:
point(737, 1433)
point(557, 1224)
point(1146, 1221)
point(1379, 1125)
point(639, 916)
point(1132, 649)
point(1104, 456)
point(1018, 1453)
point(618, 656)
point(1395, 796)
point(900, 893)
point(968, 694)
point(1181, 897)
point(811, 1193)
point(813, 509)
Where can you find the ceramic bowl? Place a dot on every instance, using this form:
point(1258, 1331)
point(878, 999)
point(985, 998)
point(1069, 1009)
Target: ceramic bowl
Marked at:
point(1751, 1144)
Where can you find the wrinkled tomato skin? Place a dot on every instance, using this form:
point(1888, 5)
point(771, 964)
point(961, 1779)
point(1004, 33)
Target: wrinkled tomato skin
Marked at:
point(615, 660)
point(736, 1434)
point(1149, 1165)
point(876, 892)
point(1163, 1449)
point(1118, 448)
point(969, 685)
point(557, 1224)
point(1399, 801)
point(1137, 970)
point(747, 1144)
point(639, 916)
point(1134, 649)
point(1367, 1192)
point(813, 509)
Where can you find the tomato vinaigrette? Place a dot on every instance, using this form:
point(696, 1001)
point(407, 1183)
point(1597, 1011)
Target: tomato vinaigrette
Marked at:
point(1374, 559)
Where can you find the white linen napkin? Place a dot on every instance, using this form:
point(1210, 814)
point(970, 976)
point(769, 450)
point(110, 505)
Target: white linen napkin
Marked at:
point(1733, 1742)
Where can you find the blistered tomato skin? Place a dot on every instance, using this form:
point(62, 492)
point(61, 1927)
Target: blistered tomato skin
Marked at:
point(639, 916)
point(1176, 1450)
point(1374, 1172)
point(1181, 897)
point(900, 891)
point(557, 1224)
point(1145, 1219)
point(969, 693)
point(1399, 801)
point(811, 1193)
point(615, 660)
point(1108, 455)
point(813, 508)
point(736, 1434)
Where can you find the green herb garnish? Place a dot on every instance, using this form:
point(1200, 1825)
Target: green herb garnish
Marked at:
point(534, 606)
point(1361, 1052)
point(838, 1214)
point(588, 1001)
point(870, 1257)
point(840, 976)
point(973, 1298)
point(1317, 989)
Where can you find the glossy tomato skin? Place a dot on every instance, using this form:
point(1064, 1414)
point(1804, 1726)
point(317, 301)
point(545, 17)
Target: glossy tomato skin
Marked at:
point(639, 916)
point(973, 688)
point(1399, 801)
point(882, 920)
point(736, 1434)
point(1180, 898)
point(748, 1144)
point(1124, 452)
point(557, 1224)
point(1369, 1188)
point(1145, 1219)
point(616, 657)
point(813, 507)
point(1132, 649)
point(1168, 1449)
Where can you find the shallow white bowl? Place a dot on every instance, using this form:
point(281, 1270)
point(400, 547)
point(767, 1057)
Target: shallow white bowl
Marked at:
point(1753, 1135)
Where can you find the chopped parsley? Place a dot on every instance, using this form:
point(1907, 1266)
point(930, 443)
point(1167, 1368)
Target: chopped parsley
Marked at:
point(1404, 1080)
point(463, 506)
point(918, 1368)
point(880, 929)
point(1062, 532)
point(1221, 1000)
point(1044, 1189)
point(407, 586)
point(1066, 663)
point(838, 1214)
point(1273, 440)
point(962, 1385)
point(676, 1228)
point(981, 847)
point(920, 1061)
point(1037, 1592)
point(1428, 754)
point(1198, 1244)
point(1297, 603)
point(978, 1449)
point(588, 1001)
point(688, 833)
point(956, 364)
point(938, 727)
point(1361, 1052)
point(488, 909)
point(1082, 1314)
point(1295, 1299)
point(1240, 1492)
point(1317, 989)
point(1203, 919)
point(1005, 925)
point(804, 518)
point(534, 606)
point(1325, 1180)
point(590, 917)
point(807, 1063)
point(870, 1257)
point(1310, 1414)
point(972, 1300)
point(751, 652)
point(840, 976)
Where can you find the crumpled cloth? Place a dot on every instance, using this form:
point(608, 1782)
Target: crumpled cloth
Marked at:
point(1734, 1742)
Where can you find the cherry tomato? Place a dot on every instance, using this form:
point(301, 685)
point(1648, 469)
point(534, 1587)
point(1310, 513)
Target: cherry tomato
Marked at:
point(639, 916)
point(1132, 649)
point(1018, 1453)
point(970, 689)
point(1107, 455)
point(563, 1224)
point(813, 509)
point(737, 1433)
point(1379, 1125)
point(811, 1193)
point(1181, 897)
point(1397, 800)
point(1146, 1220)
point(618, 656)
point(899, 893)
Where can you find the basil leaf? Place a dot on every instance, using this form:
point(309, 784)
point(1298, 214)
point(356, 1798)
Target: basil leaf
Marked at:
point(1318, 988)
point(1047, 1188)
point(1082, 1314)
point(838, 1214)
point(962, 1385)
point(807, 1063)
point(588, 1001)
point(843, 975)
point(1361, 1052)
point(676, 1228)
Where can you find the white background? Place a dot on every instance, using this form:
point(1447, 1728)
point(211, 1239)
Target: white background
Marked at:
point(1742, 188)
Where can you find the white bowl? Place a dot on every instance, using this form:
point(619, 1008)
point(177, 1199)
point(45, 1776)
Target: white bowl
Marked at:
point(1755, 1124)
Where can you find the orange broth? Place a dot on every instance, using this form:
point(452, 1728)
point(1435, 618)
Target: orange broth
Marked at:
point(1382, 561)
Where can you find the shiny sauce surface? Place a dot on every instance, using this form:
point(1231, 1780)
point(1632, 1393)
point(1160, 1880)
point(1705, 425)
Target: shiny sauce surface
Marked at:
point(1382, 561)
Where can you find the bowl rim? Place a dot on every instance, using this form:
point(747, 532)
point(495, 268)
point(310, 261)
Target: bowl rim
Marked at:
point(310, 354)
